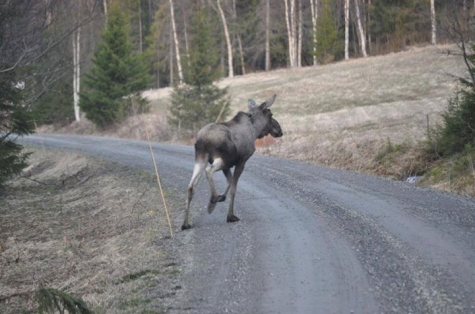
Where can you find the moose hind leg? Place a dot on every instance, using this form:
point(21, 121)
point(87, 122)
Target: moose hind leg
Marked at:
point(217, 165)
point(199, 166)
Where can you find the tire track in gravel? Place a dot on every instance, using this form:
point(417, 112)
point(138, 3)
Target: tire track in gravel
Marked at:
point(311, 239)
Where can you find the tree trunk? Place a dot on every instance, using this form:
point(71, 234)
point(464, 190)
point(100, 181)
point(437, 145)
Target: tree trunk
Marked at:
point(177, 47)
point(314, 10)
point(76, 72)
point(140, 29)
point(267, 48)
point(360, 28)
point(433, 22)
point(228, 40)
point(171, 58)
point(241, 54)
point(299, 45)
point(347, 29)
point(291, 31)
point(104, 3)
point(368, 26)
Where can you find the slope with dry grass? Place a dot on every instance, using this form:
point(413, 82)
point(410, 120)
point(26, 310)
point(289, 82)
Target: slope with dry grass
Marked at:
point(345, 114)
point(348, 115)
point(87, 227)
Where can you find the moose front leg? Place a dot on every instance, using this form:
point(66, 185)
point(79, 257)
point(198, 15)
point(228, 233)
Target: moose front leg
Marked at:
point(237, 173)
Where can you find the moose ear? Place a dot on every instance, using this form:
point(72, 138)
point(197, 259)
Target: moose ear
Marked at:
point(268, 102)
point(251, 104)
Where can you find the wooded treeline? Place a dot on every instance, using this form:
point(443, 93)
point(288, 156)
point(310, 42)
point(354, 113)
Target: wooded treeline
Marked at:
point(52, 42)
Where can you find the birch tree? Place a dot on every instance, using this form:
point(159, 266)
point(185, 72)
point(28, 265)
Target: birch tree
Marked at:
point(433, 22)
point(267, 45)
point(228, 40)
point(76, 72)
point(347, 28)
point(314, 11)
point(361, 30)
point(177, 46)
point(299, 38)
point(290, 21)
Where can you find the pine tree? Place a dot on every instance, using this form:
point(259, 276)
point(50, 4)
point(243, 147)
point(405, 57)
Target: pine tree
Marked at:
point(116, 73)
point(198, 101)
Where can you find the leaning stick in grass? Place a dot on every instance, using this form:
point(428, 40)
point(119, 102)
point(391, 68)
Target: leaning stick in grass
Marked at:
point(158, 177)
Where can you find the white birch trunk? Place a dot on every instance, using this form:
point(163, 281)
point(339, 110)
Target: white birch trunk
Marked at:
point(228, 40)
point(104, 3)
point(347, 29)
point(177, 47)
point(76, 72)
point(361, 30)
point(267, 48)
point(299, 44)
point(314, 10)
point(433, 22)
point(291, 30)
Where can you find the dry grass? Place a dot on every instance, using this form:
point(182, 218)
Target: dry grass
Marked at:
point(343, 114)
point(87, 227)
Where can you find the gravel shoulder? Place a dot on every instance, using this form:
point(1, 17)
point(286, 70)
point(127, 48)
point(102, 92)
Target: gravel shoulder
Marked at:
point(310, 239)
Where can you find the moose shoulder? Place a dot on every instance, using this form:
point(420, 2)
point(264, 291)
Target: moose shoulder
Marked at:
point(222, 146)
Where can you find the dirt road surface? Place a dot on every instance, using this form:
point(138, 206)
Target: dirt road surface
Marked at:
point(310, 239)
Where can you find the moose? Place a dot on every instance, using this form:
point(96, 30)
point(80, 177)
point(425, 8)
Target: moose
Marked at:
point(222, 146)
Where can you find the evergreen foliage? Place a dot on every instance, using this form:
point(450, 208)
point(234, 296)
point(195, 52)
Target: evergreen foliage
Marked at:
point(56, 301)
point(15, 121)
point(458, 131)
point(116, 74)
point(328, 45)
point(54, 106)
point(199, 102)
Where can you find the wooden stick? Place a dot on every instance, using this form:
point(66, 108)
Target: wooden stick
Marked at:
point(158, 178)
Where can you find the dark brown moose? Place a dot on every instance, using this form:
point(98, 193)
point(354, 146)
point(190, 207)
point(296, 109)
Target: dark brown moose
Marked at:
point(226, 145)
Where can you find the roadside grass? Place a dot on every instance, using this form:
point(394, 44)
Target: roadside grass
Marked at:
point(87, 227)
point(341, 115)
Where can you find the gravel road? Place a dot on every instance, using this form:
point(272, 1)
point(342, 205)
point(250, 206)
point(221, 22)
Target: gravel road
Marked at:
point(310, 239)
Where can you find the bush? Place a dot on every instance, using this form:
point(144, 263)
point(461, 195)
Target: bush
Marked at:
point(458, 129)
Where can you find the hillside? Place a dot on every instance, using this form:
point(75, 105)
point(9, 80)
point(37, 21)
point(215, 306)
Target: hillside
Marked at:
point(348, 115)
point(344, 114)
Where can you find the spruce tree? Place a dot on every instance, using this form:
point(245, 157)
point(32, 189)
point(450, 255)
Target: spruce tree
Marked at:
point(199, 101)
point(116, 73)
point(328, 45)
point(14, 121)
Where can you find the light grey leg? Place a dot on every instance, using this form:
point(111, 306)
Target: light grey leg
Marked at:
point(197, 171)
point(217, 165)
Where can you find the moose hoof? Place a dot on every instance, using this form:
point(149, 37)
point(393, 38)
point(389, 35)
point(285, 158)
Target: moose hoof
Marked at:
point(211, 207)
point(185, 226)
point(221, 198)
point(232, 219)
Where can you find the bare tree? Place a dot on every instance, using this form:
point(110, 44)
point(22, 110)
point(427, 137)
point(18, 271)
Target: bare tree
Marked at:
point(299, 38)
point(76, 72)
point(267, 47)
point(433, 22)
point(290, 21)
point(177, 46)
point(360, 28)
point(314, 10)
point(228, 40)
point(347, 28)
